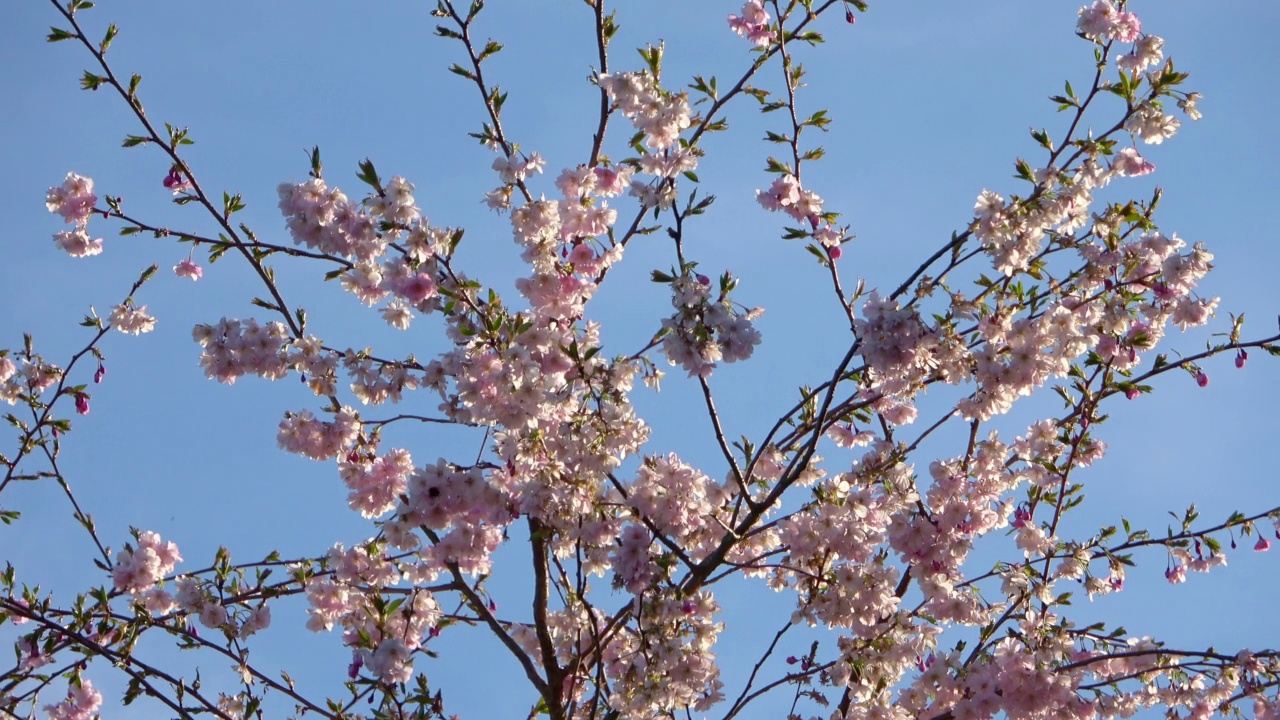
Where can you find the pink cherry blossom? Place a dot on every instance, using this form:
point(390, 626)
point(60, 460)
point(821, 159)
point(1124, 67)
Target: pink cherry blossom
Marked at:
point(753, 24)
point(188, 269)
point(73, 199)
point(418, 288)
point(77, 243)
point(82, 703)
point(1128, 163)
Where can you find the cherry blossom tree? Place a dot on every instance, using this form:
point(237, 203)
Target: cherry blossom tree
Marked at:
point(912, 505)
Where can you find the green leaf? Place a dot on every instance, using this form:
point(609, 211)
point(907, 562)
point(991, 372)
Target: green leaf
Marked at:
point(369, 176)
point(457, 69)
point(490, 48)
point(112, 31)
point(90, 81)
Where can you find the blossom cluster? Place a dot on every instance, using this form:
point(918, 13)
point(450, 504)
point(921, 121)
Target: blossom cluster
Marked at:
point(669, 664)
point(301, 433)
point(233, 348)
point(659, 114)
point(74, 200)
point(1103, 21)
point(139, 571)
point(753, 23)
point(384, 640)
point(324, 219)
point(82, 702)
point(704, 331)
point(27, 376)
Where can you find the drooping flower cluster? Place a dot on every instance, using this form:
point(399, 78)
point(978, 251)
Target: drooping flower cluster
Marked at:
point(73, 199)
point(301, 433)
point(233, 348)
point(1147, 52)
point(1152, 125)
point(833, 556)
point(323, 218)
point(682, 503)
point(376, 482)
point(77, 242)
point(384, 639)
point(705, 331)
point(131, 319)
point(668, 663)
point(753, 24)
point(468, 510)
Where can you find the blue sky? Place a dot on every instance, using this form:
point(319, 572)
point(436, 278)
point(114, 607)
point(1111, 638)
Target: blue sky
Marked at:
point(931, 101)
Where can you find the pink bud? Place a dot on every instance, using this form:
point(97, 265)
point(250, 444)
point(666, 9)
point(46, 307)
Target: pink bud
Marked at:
point(1021, 517)
point(357, 662)
point(1202, 379)
point(848, 16)
point(1241, 357)
point(835, 252)
point(791, 660)
point(1262, 545)
point(175, 182)
point(82, 403)
point(101, 373)
point(1132, 393)
point(703, 279)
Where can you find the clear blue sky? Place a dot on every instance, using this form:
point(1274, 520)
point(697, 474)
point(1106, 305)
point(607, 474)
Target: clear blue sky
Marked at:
point(931, 101)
